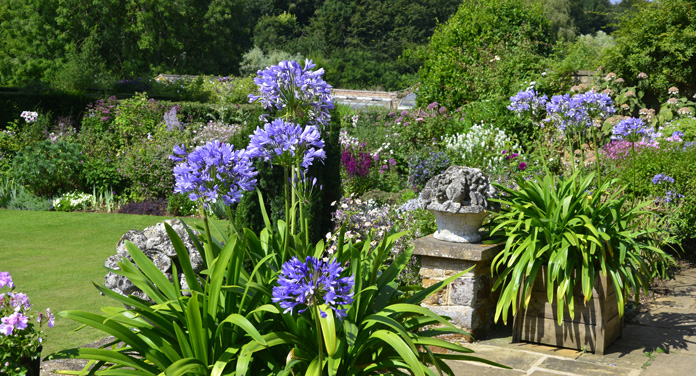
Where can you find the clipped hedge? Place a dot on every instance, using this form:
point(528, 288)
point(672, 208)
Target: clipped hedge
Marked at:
point(60, 103)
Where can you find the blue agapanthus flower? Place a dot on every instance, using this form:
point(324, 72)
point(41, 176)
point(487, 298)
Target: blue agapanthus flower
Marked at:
point(313, 282)
point(630, 129)
point(579, 111)
point(289, 86)
point(660, 178)
point(212, 171)
point(527, 101)
point(284, 143)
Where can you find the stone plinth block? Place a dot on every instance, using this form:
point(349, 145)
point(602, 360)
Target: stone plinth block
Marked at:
point(467, 300)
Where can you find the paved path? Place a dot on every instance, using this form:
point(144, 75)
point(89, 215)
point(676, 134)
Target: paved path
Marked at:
point(662, 343)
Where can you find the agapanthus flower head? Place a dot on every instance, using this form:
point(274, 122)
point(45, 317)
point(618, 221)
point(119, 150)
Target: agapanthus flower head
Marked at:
point(313, 282)
point(662, 178)
point(285, 143)
point(6, 280)
point(527, 101)
point(212, 171)
point(630, 129)
point(301, 91)
point(29, 116)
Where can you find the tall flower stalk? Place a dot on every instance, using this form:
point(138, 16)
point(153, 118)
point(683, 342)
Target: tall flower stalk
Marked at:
point(211, 172)
point(301, 101)
point(631, 130)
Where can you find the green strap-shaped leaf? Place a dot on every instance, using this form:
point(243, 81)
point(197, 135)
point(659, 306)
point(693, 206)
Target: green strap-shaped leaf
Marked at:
point(408, 356)
point(243, 323)
point(184, 259)
point(186, 367)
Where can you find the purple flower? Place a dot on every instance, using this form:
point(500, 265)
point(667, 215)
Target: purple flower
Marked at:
point(286, 144)
point(631, 129)
point(579, 111)
point(213, 170)
point(288, 86)
point(522, 166)
point(313, 282)
point(14, 321)
point(432, 106)
point(527, 101)
point(6, 280)
point(659, 178)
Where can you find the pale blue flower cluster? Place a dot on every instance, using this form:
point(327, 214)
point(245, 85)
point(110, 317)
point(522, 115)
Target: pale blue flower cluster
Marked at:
point(660, 178)
point(579, 111)
point(527, 101)
point(285, 143)
point(289, 86)
point(214, 170)
point(630, 129)
point(313, 282)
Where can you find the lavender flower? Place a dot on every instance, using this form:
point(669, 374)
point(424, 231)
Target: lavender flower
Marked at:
point(171, 121)
point(313, 282)
point(631, 129)
point(526, 101)
point(288, 86)
point(659, 178)
point(6, 280)
point(213, 170)
point(286, 143)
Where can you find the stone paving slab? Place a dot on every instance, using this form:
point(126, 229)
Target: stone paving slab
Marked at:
point(519, 360)
point(506, 342)
point(618, 355)
point(472, 369)
point(582, 368)
point(671, 365)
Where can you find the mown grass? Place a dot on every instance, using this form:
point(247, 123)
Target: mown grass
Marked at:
point(54, 257)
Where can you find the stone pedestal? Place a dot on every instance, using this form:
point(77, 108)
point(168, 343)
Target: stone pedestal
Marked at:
point(467, 300)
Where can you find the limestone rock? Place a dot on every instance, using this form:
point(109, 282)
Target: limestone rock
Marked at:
point(154, 242)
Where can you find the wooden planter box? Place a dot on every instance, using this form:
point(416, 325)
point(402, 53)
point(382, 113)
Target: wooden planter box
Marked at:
point(596, 325)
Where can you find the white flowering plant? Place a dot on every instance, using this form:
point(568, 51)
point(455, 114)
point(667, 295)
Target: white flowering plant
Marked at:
point(73, 201)
point(20, 329)
point(482, 146)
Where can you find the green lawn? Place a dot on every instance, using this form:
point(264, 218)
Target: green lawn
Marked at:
point(54, 257)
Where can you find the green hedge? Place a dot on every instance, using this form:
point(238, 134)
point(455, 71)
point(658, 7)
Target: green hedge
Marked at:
point(59, 103)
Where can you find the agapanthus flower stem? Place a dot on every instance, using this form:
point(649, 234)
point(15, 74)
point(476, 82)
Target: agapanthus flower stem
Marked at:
point(286, 237)
point(320, 341)
point(210, 253)
point(597, 154)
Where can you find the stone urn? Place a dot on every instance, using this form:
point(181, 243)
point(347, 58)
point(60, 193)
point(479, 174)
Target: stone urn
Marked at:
point(459, 200)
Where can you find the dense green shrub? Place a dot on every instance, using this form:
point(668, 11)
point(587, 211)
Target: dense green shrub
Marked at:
point(137, 117)
point(48, 168)
point(146, 164)
point(675, 160)
point(180, 205)
point(483, 51)
point(659, 39)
